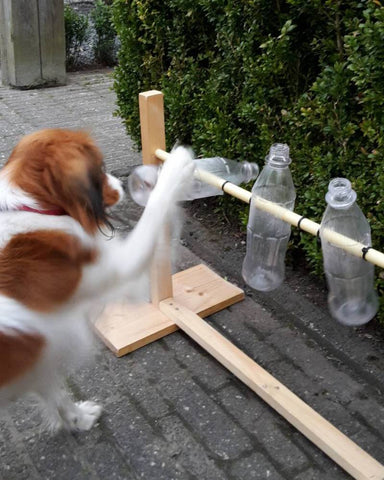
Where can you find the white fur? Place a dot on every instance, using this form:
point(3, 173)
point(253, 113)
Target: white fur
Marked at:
point(12, 197)
point(120, 265)
point(116, 185)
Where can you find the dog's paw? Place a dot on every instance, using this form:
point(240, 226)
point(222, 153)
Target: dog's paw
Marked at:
point(52, 424)
point(84, 416)
point(176, 175)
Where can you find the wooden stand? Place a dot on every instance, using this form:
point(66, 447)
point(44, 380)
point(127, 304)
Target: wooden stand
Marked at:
point(125, 327)
point(180, 300)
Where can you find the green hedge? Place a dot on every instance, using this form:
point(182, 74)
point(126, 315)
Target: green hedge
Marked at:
point(76, 32)
point(238, 75)
point(104, 46)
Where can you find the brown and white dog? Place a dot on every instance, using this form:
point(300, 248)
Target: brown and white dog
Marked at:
point(55, 263)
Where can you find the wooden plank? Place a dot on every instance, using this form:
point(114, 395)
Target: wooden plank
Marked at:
point(152, 126)
point(334, 443)
point(161, 269)
point(203, 291)
point(125, 327)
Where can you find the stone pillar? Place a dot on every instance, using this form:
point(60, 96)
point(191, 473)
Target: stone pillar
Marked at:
point(32, 43)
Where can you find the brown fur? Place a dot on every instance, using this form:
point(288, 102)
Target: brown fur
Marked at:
point(42, 269)
point(19, 351)
point(110, 196)
point(63, 168)
point(59, 172)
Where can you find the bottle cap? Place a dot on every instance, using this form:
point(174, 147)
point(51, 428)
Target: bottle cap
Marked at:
point(249, 171)
point(141, 182)
point(340, 193)
point(278, 155)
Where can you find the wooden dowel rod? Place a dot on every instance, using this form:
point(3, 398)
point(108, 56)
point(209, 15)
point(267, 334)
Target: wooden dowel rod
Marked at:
point(348, 244)
point(334, 443)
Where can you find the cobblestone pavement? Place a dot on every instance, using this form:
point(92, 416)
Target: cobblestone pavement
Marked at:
point(171, 411)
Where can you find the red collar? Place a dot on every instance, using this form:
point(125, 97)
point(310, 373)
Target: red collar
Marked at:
point(53, 211)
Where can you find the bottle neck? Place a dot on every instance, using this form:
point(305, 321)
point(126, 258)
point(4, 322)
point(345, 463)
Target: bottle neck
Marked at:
point(277, 165)
point(278, 156)
point(340, 194)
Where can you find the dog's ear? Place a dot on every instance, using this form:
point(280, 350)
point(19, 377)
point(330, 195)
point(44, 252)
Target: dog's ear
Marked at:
point(62, 168)
point(77, 184)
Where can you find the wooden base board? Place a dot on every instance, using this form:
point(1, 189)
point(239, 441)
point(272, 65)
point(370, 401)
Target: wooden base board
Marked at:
point(126, 327)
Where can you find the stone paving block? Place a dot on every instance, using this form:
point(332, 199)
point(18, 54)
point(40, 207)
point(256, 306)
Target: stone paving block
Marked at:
point(147, 454)
point(295, 379)
point(238, 332)
point(188, 451)
point(369, 411)
point(8, 129)
point(369, 442)
point(313, 474)
point(15, 463)
point(336, 413)
point(143, 392)
point(55, 457)
point(162, 368)
point(317, 397)
point(258, 318)
point(244, 406)
point(210, 373)
point(25, 414)
point(314, 364)
point(205, 417)
point(276, 440)
point(108, 462)
point(255, 467)
point(130, 377)
point(97, 382)
point(317, 459)
point(8, 143)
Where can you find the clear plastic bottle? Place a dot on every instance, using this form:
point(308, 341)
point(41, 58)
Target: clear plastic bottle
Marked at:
point(352, 299)
point(267, 236)
point(234, 172)
point(143, 179)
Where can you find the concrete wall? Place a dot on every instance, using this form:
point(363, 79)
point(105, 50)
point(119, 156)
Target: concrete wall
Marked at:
point(32, 42)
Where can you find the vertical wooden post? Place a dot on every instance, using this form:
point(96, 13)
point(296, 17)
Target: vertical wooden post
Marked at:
point(152, 124)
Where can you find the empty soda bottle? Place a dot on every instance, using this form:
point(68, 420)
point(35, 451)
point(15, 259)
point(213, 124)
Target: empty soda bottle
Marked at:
point(352, 299)
point(143, 179)
point(234, 172)
point(267, 236)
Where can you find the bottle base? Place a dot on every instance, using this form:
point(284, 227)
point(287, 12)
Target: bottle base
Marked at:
point(354, 313)
point(263, 280)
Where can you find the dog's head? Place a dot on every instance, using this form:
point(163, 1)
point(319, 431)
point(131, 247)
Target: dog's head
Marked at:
point(64, 169)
